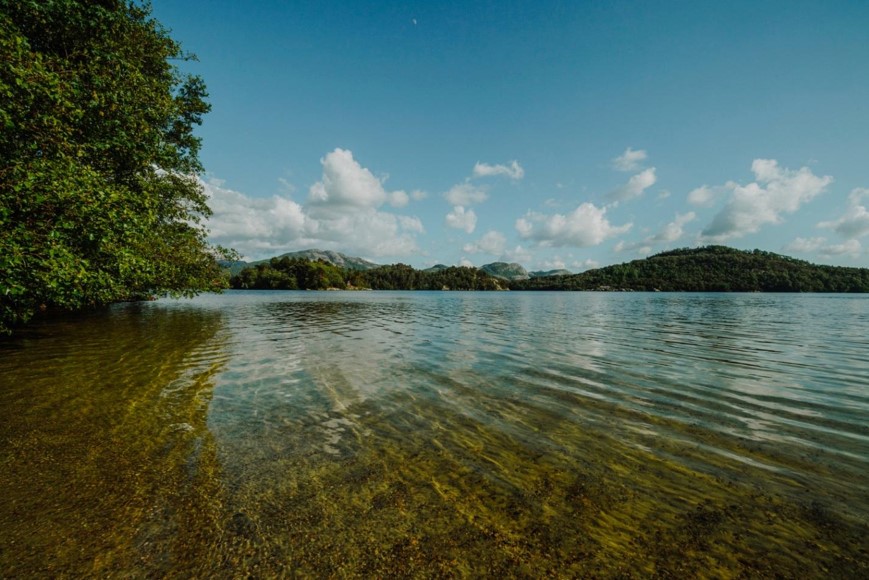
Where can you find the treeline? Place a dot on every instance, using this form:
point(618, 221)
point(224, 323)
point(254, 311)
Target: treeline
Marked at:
point(710, 269)
point(300, 274)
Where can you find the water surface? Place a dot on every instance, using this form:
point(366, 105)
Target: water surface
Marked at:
point(440, 434)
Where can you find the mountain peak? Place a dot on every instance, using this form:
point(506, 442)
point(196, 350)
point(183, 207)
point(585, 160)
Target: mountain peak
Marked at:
point(506, 271)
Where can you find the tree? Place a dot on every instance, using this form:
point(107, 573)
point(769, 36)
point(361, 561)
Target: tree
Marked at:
point(99, 195)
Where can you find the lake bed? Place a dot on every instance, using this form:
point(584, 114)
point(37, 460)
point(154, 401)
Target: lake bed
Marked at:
point(439, 434)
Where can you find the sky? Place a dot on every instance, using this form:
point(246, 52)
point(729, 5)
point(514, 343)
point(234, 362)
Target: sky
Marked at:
point(557, 134)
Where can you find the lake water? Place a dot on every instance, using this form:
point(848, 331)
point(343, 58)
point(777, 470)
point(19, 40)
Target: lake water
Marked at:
point(382, 434)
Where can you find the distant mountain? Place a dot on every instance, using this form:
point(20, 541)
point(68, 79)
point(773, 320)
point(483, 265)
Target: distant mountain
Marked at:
point(710, 269)
point(335, 258)
point(542, 274)
point(505, 271)
point(436, 268)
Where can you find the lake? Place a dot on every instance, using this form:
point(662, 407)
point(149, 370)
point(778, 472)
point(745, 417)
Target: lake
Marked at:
point(378, 434)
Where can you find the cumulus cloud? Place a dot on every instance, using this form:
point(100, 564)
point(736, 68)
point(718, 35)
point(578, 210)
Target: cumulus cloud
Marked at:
point(630, 160)
point(850, 247)
point(398, 199)
point(806, 245)
point(346, 185)
point(855, 223)
point(466, 194)
point(513, 170)
point(775, 191)
point(588, 264)
point(343, 210)
point(820, 246)
point(462, 219)
point(253, 225)
point(556, 263)
point(705, 196)
point(675, 229)
point(670, 233)
point(492, 242)
point(585, 226)
point(517, 254)
point(635, 186)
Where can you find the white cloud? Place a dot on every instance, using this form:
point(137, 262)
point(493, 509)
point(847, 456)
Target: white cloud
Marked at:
point(343, 211)
point(466, 194)
point(640, 248)
point(630, 160)
point(635, 186)
point(706, 196)
point(398, 199)
point(588, 264)
point(819, 245)
point(851, 248)
point(675, 229)
point(418, 195)
point(492, 242)
point(513, 171)
point(857, 195)
point(585, 226)
point(806, 245)
point(462, 219)
point(555, 263)
point(670, 233)
point(249, 224)
point(855, 223)
point(775, 192)
point(517, 254)
point(466, 263)
point(345, 183)
point(410, 224)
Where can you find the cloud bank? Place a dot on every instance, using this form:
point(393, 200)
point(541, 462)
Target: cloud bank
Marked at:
point(343, 210)
point(585, 226)
point(776, 191)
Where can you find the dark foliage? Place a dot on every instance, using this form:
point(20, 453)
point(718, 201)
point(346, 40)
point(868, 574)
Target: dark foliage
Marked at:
point(99, 199)
point(710, 269)
point(299, 274)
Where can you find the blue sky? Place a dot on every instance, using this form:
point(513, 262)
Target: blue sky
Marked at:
point(556, 134)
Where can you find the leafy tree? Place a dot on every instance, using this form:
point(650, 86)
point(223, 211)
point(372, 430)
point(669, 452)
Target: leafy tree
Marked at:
point(99, 199)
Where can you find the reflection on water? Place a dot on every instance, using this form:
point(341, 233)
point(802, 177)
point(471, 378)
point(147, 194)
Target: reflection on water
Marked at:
point(373, 434)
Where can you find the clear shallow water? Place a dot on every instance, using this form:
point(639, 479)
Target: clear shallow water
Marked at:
point(372, 434)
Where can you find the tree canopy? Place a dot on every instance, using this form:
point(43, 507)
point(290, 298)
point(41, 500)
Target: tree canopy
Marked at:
point(710, 269)
point(99, 195)
point(300, 274)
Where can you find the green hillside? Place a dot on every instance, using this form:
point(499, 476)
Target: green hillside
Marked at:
point(710, 269)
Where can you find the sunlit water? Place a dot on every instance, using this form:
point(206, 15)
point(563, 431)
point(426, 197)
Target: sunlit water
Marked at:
point(440, 434)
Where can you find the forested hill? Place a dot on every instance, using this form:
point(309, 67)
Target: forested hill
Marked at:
point(710, 269)
point(287, 273)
